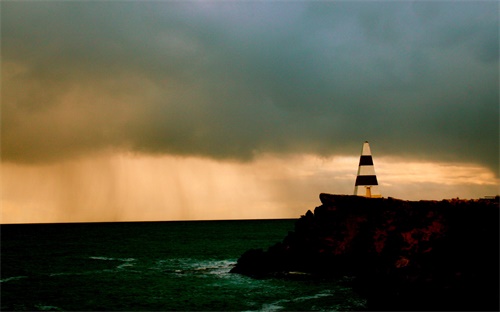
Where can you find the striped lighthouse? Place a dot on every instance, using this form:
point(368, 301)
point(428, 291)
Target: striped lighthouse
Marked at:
point(366, 180)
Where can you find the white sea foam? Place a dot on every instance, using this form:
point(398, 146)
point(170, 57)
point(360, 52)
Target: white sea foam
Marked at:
point(275, 306)
point(101, 258)
point(325, 293)
point(220, 268)
point(42, 307)
point(112, 259)
point(13, 278)
point(122, 266)
point(279, 304)
point(126, 264)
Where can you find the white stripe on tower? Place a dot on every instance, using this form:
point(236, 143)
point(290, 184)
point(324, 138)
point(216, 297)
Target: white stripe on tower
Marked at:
point(366, 175)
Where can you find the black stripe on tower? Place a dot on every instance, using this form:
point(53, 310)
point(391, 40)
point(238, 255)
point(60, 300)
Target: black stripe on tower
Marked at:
point(366, 160)
point(366, 180)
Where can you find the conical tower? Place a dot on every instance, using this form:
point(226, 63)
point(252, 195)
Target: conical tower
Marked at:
point(366, 180)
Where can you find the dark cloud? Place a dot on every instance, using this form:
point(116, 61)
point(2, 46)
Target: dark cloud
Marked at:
point(235, 79)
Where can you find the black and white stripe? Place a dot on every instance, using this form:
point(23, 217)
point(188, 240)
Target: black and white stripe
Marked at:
point(366, 176)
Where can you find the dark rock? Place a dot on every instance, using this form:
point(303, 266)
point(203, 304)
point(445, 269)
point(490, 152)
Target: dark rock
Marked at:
point(403, 255)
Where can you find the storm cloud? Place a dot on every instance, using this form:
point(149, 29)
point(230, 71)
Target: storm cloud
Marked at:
point(232, 80)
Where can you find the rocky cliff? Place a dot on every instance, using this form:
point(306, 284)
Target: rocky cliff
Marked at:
point(401, 255)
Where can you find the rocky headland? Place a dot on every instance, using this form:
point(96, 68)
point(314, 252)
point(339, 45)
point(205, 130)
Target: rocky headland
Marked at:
point(400, 255)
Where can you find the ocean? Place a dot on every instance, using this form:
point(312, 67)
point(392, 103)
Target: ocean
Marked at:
point(152, 266)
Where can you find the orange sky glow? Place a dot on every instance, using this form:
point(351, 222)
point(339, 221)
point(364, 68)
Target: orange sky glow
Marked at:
point(203, 110)
point(127, 187)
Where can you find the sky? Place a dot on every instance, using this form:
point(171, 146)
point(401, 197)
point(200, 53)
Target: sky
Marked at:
point(202, 110)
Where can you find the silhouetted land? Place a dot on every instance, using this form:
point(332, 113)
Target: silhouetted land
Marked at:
point(400, 255)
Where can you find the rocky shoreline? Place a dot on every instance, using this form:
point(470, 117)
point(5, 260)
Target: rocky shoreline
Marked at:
point(400, 255)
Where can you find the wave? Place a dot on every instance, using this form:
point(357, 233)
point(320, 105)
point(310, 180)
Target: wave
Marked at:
point(112, 259)
point(179, 266)
point(42, 307)
point(13, 278)
point(279, 304)
point(119, 267)
point(80, 273)
point(124, 263)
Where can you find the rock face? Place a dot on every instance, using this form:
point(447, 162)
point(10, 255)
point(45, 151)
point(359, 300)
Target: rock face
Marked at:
point(403, 255)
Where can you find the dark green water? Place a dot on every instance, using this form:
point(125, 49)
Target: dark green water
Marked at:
point(152, 266)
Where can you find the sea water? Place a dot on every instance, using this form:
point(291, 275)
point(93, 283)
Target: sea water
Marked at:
point(152, 266)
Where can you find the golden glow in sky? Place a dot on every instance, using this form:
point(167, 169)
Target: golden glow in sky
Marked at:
point(190, 110)
point(126, 187)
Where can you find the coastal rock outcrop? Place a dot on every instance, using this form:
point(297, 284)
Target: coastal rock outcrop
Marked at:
point(401, 255)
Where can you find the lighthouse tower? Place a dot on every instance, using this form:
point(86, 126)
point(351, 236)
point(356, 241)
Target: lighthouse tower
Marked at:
point(366, 180)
